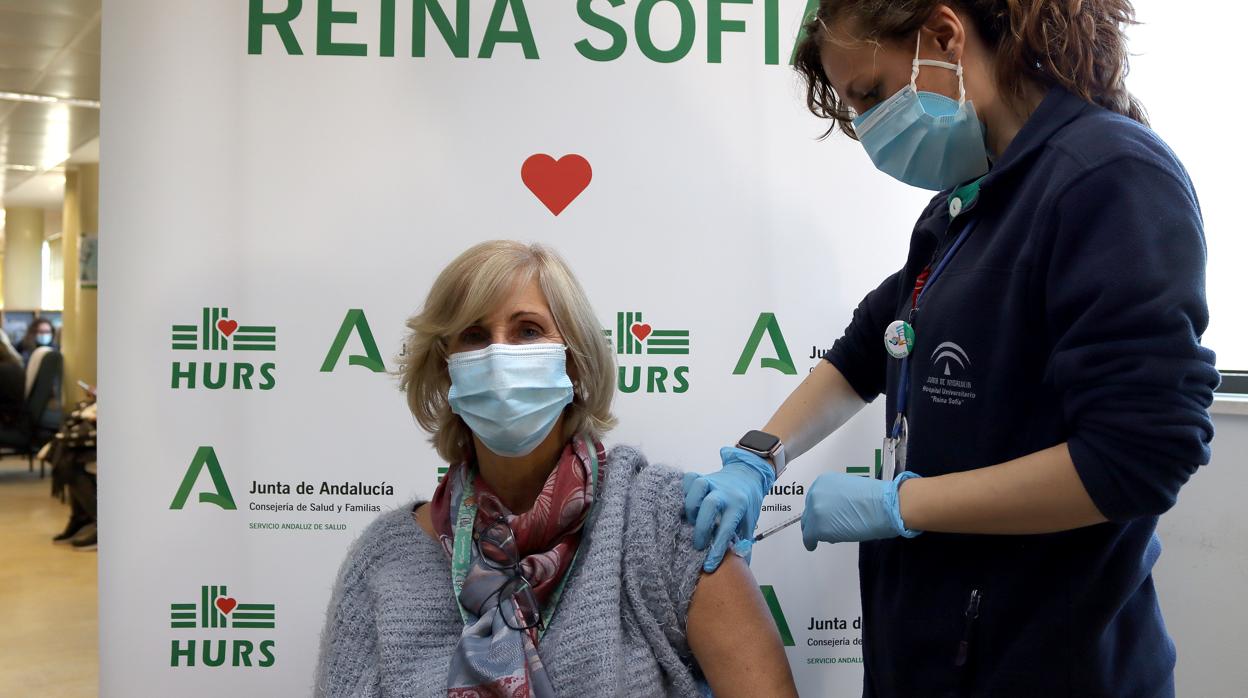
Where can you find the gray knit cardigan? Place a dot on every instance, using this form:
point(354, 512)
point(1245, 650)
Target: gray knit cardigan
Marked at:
point(619, 629)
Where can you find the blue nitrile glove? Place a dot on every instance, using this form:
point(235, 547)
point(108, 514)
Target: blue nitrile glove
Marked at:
point(844, 508)
point(741, 547)
point(733, 496)
point(744, 549)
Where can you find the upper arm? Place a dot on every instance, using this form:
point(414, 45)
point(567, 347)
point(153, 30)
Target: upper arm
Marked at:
point(678, 607)
point(733, 636)
point(349, 664)
point(1124, 291)
point(859, 353)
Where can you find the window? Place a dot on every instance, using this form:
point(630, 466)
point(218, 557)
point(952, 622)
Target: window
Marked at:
point(53, 290)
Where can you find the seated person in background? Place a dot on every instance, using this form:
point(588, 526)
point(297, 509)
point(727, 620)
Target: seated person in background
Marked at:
point(72, 455)
point(41, 333)
point(12, 383)
point(7, 353)
point(544, 565)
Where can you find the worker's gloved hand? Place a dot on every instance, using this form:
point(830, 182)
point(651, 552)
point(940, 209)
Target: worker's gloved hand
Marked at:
point(726, 504)
point(844, 508)
point(744, 548)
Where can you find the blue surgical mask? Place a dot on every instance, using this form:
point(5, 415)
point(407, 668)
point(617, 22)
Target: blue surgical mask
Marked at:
point(925, 139)
point(510, 395)
point(43, 339)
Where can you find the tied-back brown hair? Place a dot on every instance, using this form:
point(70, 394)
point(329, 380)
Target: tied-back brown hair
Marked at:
point(1080, 45)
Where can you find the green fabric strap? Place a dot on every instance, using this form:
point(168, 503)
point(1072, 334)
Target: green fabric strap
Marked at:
point(461, 555)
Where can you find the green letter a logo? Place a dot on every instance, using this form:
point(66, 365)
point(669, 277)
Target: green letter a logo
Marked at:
point(777, 614)
point(205, 457)
point(372, 358)
point(783, 361)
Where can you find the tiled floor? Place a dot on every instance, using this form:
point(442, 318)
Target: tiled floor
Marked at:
point(48, 626)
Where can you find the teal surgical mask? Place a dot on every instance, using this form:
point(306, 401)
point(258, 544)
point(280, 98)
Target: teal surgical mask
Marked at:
point(510, 395)
point(925, 139)
point(43, 339)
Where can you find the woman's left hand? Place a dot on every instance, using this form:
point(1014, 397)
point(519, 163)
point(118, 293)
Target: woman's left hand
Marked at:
point(844, 508)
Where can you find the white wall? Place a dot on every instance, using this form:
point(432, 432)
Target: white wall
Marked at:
point(1185, 68)
point(1202, 575)
point(1182, 60)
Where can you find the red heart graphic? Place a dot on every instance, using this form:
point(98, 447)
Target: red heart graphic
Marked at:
point(641, 331)
point(227, 327)
point(224, 603)
point(556, 183)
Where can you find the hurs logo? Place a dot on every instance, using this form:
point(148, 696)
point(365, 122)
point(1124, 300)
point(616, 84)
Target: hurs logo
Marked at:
point(217, 332)
point(205, 458)
point(633, 336)
point(766, 326)
point(216, 610)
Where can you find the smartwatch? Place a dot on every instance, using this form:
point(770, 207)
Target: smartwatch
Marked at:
point(764, 445)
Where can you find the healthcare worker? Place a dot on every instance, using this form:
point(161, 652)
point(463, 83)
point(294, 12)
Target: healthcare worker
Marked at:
point(1046, 391)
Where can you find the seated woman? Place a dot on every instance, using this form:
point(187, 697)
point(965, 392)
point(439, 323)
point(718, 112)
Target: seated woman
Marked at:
point(543, 565)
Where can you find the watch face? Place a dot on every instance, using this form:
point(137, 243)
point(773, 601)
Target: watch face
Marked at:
point(759, 441)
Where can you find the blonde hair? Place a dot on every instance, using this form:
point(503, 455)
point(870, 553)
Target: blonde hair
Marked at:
point(466, 291)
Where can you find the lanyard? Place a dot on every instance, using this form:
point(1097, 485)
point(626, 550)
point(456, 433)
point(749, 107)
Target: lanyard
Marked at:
point(903, 384)
point(461, 548)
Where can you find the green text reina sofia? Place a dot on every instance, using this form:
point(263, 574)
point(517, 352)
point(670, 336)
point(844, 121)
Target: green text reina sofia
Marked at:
point(611, 28)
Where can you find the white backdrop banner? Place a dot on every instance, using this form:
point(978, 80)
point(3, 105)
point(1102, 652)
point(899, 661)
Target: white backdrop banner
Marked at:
point(284, 179)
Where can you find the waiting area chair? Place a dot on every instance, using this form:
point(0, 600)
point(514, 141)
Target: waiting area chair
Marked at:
point(30, 411)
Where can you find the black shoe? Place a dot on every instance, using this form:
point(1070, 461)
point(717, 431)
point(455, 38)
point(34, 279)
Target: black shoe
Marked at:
point(71, 529)
point(86, 539)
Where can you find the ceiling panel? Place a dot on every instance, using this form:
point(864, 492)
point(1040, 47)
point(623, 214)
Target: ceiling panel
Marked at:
point(22, 29)
point(73, 62)
point(90, 42)
point(47, 47)
point(33, 58)
point(13, 180)
point(86, 86)
point(24, 150)
point(16, 80)
point(38, 118)
point(65, 8)
point(84, 125)
point(59, 127)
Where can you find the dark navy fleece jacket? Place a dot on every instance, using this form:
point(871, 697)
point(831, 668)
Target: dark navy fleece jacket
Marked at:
point(1072, 314)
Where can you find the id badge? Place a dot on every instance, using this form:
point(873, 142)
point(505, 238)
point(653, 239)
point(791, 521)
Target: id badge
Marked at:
point(902, 443)
point(893, 461)
point(888, 464)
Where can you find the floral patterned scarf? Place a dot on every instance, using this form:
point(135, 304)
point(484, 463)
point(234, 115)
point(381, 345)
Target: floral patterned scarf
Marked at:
point(519, 562)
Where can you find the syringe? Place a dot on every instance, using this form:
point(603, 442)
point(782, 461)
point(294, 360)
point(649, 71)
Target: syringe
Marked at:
point(778, 527)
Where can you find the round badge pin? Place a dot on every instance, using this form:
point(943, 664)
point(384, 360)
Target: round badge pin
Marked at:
point(899, 339)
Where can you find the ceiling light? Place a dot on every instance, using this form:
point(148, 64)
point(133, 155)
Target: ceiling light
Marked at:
point(48, 99)
point(54, 161)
